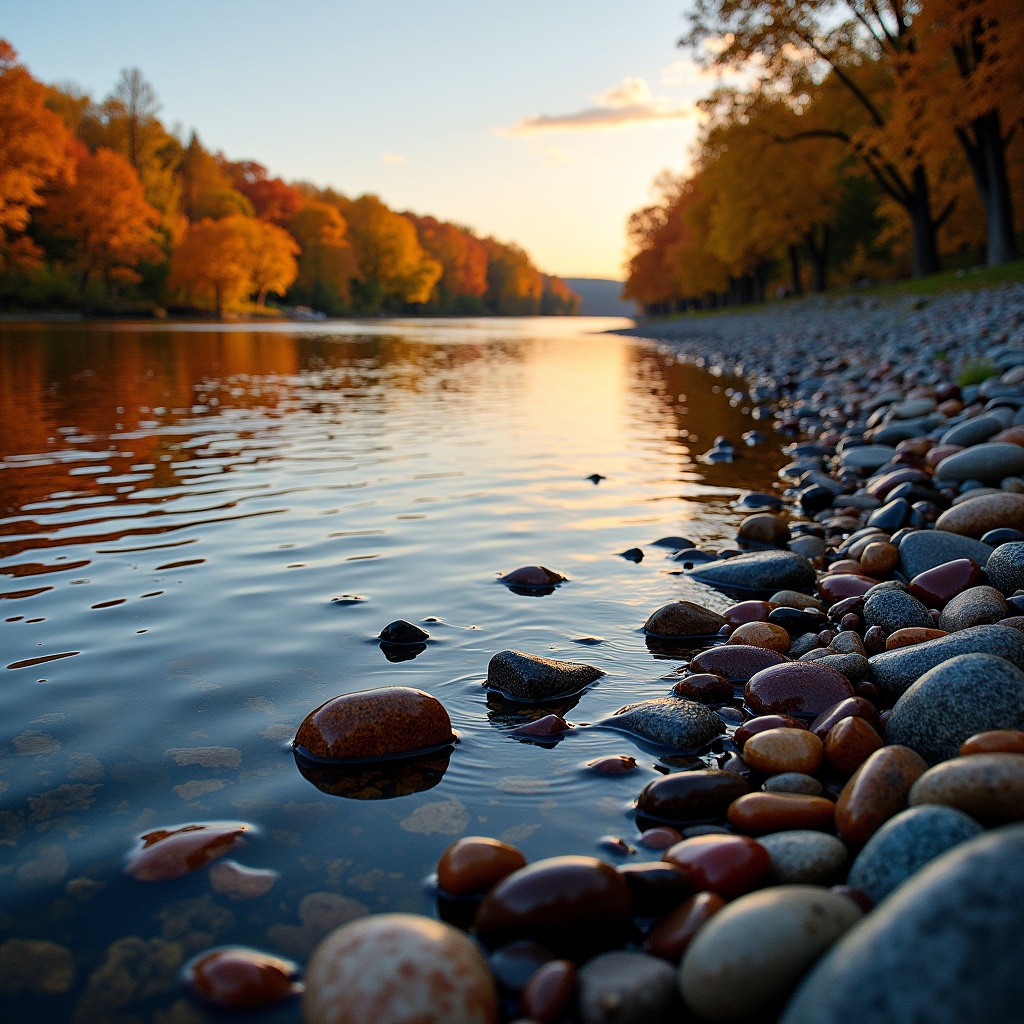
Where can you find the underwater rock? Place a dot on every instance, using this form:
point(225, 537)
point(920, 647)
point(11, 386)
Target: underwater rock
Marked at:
point(529, 677)
point(673, 722)
point(170, 853)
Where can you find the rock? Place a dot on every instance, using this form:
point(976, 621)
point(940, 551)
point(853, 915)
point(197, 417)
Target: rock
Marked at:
point(840, 585)
point(575, 905)
point(1005, 568)
point(797, 688)
point(879, 559)
point(925, 549)
point(705, 688)
point(760, 634)
point(793, 782)
point(964, 695)
point(759, 572)
point(683, 620)
point(632, 554)
point(654, 885)
point(994, 741)
point(760, 813)
point(402, 632)
point(850, 742)
point(877, 791)
point(867, 456)
point(976, 606)
point(935, 586)
point(614, 764)
point(972, 431)
point(988, 463)
point(675, 722)
point(670, 936)
point(796, 621)
point(690, 797)
point(675, 543)
point(893, 672)
point(988, 512)
point(390, 721)
point(724, 864)
point(628, 987)
point(748, 611)
point(794, 599)
point(750, 954)
point(548, 993)
point(802, 856)
point(169, 853)
point(764, 528)
point(528, 677)
point(660, 838)
point(910, 638)
point(752, 726)
point(853, 666)
point(514, 964)
point(809, 546)
point(784, 750)
point(988, 787)
point(238, 978)
point(904, 844)
point(532, 577)
point(737, 663)
point(951, 936)
point(396, 968)
point(849, 707)
point(893, 609)
point(473, 864)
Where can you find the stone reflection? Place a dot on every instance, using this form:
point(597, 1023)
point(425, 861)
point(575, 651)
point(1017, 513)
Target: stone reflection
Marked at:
point(376, 780)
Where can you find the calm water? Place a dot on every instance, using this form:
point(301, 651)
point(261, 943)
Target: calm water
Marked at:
point(180, 509)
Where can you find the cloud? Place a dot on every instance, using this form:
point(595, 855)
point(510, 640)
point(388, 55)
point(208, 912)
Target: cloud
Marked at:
point(393, 158)
point(623, 106)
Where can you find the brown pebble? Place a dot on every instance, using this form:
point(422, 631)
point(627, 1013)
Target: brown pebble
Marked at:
point(876, 792)
point(616, 764)
point(848, 707)
point(846, 565)
point(851, 622)
point(995, 741)
point(850, 743)
point(798, 687)
point(548, 991)
point(752, 726)
point(660, 838)
point(237, 978)
point(874, 640)
point(549, 725)
point(170, 853)
point(748, 611)
point(784, 750)
point(737, 662)
point(673, 933)
point(760, 813)
point(988, 787)
point(704, 687)
point(761, 634)
point(909, 636)
point(837, 586)
point(936, 586)
point(473, 864)
point(879, 559)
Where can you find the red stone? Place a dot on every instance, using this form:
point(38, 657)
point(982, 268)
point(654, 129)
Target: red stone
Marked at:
point(674, 932)
point(935, 587)
point(616, 764)
point(761, 634)
point(802, 688)
point(850, 743)
point(737, 663)
point(848, 707)
point(911, 635)
point(996, 741)
point(704, 687)
point(726, 865)
point(881, 486)
point(170, 853)
point(748, 611)
point(940, 452)
point(760, 813)
point(877, 791)
point(660, 838)
point(549, 725)
point(548, 992)
point(237, 978)
point(784, 750)
point(752, 726)
point(843, 585)
point(473, 864)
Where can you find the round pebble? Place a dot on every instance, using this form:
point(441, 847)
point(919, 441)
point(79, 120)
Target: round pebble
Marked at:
point(995, 741)
point(671, 935)
point(548, 992)
point(760, 813)
point(988, 787)
point(803, 856)
point(794, 782)
point(761, 634)
point(783, 750)
point(850, 742)
point(796, 688)
point(239, 978)
point(724, 864)
point(473, 864)
point(628, 987)
point(878, 790)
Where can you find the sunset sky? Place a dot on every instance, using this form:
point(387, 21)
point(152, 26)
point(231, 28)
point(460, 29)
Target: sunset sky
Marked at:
point(540, 123)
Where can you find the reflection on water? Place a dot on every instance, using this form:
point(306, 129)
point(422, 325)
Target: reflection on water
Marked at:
point(203, 530)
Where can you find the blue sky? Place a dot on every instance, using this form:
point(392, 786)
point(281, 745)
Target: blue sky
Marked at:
point(540, 123)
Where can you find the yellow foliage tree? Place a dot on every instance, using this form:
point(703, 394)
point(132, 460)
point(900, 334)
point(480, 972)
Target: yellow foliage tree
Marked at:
point(212, 263)
point(272, 252)
point(327, 261)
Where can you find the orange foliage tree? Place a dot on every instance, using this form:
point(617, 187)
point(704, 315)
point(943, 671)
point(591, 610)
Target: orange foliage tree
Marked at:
point(105, 217)
point(272, 252)
point(327, 262)
point(514, 285)
point(271, 198)
point(211, 264)
point(463, 258)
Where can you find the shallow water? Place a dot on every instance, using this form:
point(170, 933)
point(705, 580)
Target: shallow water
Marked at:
point(204, 528)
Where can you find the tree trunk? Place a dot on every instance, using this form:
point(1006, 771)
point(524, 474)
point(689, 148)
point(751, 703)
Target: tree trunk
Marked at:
point(216, 299)
point(760, 280)
point(926, 254)
point(794, 269)
point(819, 255)
point(985, 149)
point(261, 300)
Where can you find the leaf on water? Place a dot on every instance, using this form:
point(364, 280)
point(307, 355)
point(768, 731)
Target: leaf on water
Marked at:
point(197, 788)
point(35, 742)
point(206, 757)
point(36, 966)
point(444, 817)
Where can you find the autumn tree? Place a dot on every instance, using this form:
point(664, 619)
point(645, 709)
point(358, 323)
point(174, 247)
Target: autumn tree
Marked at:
point(213, 263)
point(463, 258)
point(327, 262)
point(272, 252)
point(206, 187)
point(272, 200)
point(105, 218)
point(558, 299)
point(514, 285)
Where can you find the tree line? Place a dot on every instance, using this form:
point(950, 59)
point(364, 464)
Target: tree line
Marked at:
point(102, 207)
point(872, 139)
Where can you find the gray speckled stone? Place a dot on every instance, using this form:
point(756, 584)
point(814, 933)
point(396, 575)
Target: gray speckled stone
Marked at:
point(762, 571)
point(893, 672)
point(962, 696)
point(975, 606)
point(945, 949)
point(895, 609)
point(972, 431)
point(905, 843)
point(674, 722)
point(532, 678)
point(988, 463)
point(804, 856)
point(853, 666)
point(1005, 569)
point(628, 987)
point(868, 456)
point(926, 549)
point(793, 782)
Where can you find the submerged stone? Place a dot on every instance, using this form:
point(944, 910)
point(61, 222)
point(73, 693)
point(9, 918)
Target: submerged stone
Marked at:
point(170, 853)
point(691, 797)
point(528, 677)
point(402, 632)
point(238, 978)
point(532, 577)
point(673, 722)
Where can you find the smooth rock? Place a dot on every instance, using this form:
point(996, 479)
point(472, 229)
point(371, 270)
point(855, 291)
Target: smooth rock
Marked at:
point(849, 707)
point(673, 933)
point(163, 853)
point(239, 978)
point(926, 549)
point(994, 741)
point(797, 688)
point(793, 782)
point(760, 634)
point(532, 577)
point(976, 606)
point(803, 856)
point(571, 904)
point(760, 813)
point(683, 620)
point(397, 969)
point(752, 726)
point(761, 571)
point(839, 586)
point(473, 864)
point(973, 431)
point(989, 512)
point(964, 695)
point(849, 744)
point(879, 559)
point(1005, 568)
point(697, 796)
point(748, 611)
point(749, 955)
point(528, 677)
point(988, 787)
point(935, 586)
point(402, 632)
point(893, 672)
point(660, 838)
point(794, 599)
point(675, 722)
point(796, 621)
point(988, 463)
point(946, 948)
point(848, 642)
point(737, 663)
point(705, 688)
point(516, 962)
point(867, 456)
point(877, 791)
point(654, 885)
point(910, 637)
point(905, 844)
point(853, 666)
point(628, 987)
point(783, 750)
point(893, 609)
point(724, 864)
point(548, 993)
point(764, 528)
point(809, 546)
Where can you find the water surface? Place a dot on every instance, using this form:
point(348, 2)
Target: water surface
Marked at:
point(204, 528)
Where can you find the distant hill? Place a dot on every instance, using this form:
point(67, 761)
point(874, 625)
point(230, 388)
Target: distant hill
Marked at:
point(599, 297)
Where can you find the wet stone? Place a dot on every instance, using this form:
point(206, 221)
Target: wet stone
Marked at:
point(691, 797)
point(705, 688)
point(675, 722)
point(660, 838)
point(796, 688)
point(926, 549)
point(879, 559)
point(239, 978)
point(911, 636)
point(528, 677)
point(760, 813)
point(761, 634)
point(764, 528)
point(848, 642)
point(853, 666)
point(905, 844)
point(760, 572)
point(615, 764)
point(163, 854)
point(632, 555)
point(794, 599)
point(655, 885)
point(794, 782)
point(752, 726)
point(783, 750)
point(728, 865)
point(935, 586)
point(796, 621)
point(850, 743)
point(839, 586)
point(987, 512)
point(548, 992)
point(737, 663)
point(683, 620)
point(402, 632)
point(628, 987)
point(988, 787)
point(1005, 568)
point(994, 741)
point(964, 695)
point(748, 611)
point(803, 856)
point(473, 864)
point(532, 577)
point(977, 606)
point(878, 789)
point(893, 609)
point(515, 963)
point(988, 463)
point(670, 936)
